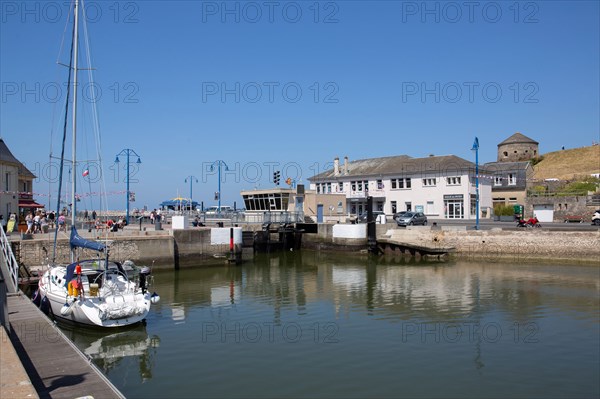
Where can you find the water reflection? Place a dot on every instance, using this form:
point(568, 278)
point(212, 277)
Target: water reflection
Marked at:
point(109, 350)
point(390, 289)
point(306, 324)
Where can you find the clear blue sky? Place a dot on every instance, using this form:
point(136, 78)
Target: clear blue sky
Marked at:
point(377, 78)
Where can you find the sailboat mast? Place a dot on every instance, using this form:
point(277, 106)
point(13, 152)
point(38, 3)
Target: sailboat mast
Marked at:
point(74, 143)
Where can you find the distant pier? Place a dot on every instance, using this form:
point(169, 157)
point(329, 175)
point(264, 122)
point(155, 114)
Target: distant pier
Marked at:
point(390, 245)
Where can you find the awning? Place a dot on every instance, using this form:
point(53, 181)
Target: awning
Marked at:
point(29, 204)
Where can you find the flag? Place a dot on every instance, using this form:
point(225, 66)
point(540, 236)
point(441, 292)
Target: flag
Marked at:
point(86, 172)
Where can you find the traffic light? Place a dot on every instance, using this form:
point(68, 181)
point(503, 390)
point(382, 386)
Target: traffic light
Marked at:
point(276, 177)
point(216, 195)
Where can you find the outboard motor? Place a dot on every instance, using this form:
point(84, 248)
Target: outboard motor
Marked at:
point(144, 274)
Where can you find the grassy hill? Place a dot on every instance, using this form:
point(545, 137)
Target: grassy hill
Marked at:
point(568, 164)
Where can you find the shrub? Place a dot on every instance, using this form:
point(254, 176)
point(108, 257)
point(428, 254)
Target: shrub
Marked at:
point(535, 161)
point(504, 210)
point(588, 183)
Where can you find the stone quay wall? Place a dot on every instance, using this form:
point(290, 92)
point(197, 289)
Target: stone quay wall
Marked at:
point(189, 247)
point(524, 245)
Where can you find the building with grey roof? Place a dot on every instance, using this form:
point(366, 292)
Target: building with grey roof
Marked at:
point(17, 185)
point(439, 186)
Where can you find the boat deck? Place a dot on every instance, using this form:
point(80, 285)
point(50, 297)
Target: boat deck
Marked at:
point(56, 368)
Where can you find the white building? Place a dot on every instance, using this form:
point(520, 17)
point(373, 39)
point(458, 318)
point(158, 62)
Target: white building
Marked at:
point(439, 186)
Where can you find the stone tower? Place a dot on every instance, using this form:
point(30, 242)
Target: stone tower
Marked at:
point(517, 147)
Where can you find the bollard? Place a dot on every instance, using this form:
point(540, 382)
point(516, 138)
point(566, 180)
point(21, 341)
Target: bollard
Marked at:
point(231, 241)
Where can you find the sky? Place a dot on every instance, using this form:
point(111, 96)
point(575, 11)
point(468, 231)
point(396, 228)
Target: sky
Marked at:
point(290, 85)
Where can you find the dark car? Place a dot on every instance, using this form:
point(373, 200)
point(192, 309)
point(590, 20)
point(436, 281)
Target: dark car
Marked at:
point(362, 218)
point(412, 218)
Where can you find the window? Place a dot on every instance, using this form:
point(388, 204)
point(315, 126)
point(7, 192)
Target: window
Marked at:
point(497, 180)
point(402, 183)
point(7, 182)
point(379, 184)
point(318, 188)
point(329, 188)
point(429, 209)
point(453, 181)
point(512, 199)
point(394, 206)
point(408, 206)
point(353, 185)
point(505, 153)
point(430, 182)
point(360, 185)
point(340, 187)
point(512, 179)
point(380, 206)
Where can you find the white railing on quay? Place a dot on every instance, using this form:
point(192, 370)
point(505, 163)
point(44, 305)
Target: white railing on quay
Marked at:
point(10, 267)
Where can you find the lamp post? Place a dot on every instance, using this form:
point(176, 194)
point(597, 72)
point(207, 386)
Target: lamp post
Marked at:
point(476, 149)
point(127, 152)
point(191, 179)
point(219, 164)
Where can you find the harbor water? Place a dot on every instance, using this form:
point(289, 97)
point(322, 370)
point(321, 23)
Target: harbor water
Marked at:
point(309, 324)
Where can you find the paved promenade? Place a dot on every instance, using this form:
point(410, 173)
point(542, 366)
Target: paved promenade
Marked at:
point(56, 368)
point(14, 381)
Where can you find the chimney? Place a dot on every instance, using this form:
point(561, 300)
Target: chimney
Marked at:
point(345, 165)
point(336, 166)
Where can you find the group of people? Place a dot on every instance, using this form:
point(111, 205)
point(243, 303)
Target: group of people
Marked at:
point(41, 221)
point(111, 224)
point(155, 216)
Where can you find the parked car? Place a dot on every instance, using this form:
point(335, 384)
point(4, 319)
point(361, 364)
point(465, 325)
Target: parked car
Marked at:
point(362, 218)
point(398, 214)
point(214, 210)
point(596, 218)
point(411, 218)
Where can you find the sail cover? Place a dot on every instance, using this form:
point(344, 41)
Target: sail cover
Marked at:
point(79, 242)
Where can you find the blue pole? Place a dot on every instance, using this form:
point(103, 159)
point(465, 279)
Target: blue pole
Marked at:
point(477, 185)
point(127, 194)
point(219, 166)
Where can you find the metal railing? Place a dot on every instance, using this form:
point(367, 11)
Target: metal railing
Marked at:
point(274, 217)
point(10, 267)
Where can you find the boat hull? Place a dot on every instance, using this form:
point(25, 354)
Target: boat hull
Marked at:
point(103, 310)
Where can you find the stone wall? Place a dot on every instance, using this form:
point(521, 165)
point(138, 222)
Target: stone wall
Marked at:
point(142, 250)
point(563, 207)
point(190, 247)
point(516, 152)
point(526, 245)
point(194, 245)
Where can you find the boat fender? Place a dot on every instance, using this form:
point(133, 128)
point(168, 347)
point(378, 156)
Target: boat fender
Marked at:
point(155, 298)
point(37, 298)
point(66, 309)
point(45, 305)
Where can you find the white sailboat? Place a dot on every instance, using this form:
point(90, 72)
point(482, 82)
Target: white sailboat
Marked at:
point(95, 292)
